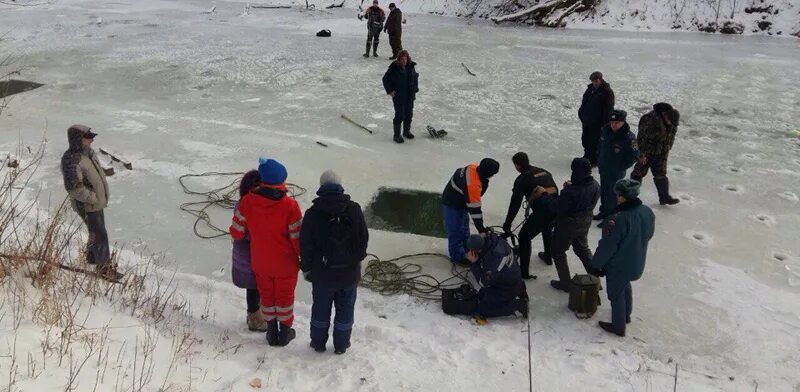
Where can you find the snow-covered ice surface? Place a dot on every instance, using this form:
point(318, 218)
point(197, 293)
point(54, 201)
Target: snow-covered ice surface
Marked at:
point(177, 91)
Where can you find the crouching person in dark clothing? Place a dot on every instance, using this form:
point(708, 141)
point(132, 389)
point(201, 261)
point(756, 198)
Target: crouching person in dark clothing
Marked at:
point(622, 252)
point(502, 291)
point(333, 242)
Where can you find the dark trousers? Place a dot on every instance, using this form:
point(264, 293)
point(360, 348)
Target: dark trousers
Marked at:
point(253, 301)
point(499, 301)
point(97, 248)
point(620, 294)
point(456, 223)
point(571, 231)
point(373, 35)
point(536, 223)
point(608, 198)
point(403, 113)
point(658, 164)
point(396, 43)
point(344, 300)
point(590, 138)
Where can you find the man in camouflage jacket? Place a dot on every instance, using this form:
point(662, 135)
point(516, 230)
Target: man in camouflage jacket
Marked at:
point(657, 131)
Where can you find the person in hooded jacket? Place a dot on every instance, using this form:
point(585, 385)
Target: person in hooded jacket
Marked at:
point(401, 82)
point(502, 291)
point(241, 271)
point(273, 221)
point(573, 209)
point(461, 200)
point(622, 252)
point(333, 242)
point(617, 152)
point(87, 188)
point(596, 107)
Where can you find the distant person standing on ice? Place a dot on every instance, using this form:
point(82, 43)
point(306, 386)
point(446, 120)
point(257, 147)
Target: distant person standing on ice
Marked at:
point(461, 200)
point(333, 242)
point(596, 106)
point(273, 220)
point(86, 185)
point(622, 252)
point(657, 131)
point(241, 271)
point(401, 82)
point(394, 27)
point(618, 151)
point(375, 17)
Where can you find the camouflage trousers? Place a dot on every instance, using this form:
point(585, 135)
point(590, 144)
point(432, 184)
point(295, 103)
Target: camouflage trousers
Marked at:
point(658, 164)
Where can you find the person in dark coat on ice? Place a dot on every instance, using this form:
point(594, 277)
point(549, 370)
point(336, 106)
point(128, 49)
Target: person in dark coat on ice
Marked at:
point(333, 242)
point(657, 131)
point(622, 252)
point(540, 219)
point(618, 151)
point(394, 27)
point(401, 82)
point(573, 209)
point(502, 291)
point(596, 106)
point(241, 271)
point(375, 17)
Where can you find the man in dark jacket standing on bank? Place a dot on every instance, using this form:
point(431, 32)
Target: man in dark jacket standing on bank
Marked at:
point(657, 131)
point(622, 252)
point(394, 27)
point(496, 270)
point(596, 106)
point(86, 185)
point(461, 200)
point(333, 242)
point(573, 209)
point(618, 151)
point(540, 219)
point(374, 16)
point(401, 82)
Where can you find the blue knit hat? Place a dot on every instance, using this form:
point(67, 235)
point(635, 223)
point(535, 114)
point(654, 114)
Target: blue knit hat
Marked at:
point(271, 171)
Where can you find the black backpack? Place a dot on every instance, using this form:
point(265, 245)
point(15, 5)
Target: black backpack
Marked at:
point(340, 242)
point(584, 295)
point(462, 300)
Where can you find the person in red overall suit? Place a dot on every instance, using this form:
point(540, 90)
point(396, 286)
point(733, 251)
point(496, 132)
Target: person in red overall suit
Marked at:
point(273, 220)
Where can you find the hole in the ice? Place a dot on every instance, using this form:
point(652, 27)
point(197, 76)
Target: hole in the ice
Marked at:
point(11, 87)
point(780, 256)
point(407, 211)
point(698, 236)
point(734, 169)
point(732, 188)
point(762, 218)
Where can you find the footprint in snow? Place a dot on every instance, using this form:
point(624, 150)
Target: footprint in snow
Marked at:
point(733, 188)
point(219, 273)
point(764, 219)
point(699, 238)
point(681, 170)
point(705, 139)
point(686, 198)
point(734, 169)
point(780, 257)
point(752, 145)
point(751, 157)
point(789, 195)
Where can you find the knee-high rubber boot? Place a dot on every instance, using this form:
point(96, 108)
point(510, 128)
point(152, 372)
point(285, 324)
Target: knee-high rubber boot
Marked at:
point(375, 48)
point(272, 332)
point(397, 137)
point(366, 51)
point(662, 185)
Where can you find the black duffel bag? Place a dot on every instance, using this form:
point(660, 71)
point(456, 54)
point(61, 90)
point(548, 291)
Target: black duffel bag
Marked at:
point(460, 301)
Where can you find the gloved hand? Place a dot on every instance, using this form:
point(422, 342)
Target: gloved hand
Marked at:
point(307, 276)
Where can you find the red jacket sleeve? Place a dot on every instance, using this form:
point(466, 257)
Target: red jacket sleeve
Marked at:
point(295, 223)
point(239, 223)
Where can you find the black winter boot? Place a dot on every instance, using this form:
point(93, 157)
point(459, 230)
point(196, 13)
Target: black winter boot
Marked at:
point(272, 332)
point(559, 285)
point(407, 130)
point(522, 306)
point(375, 49)
point(664, 198)
point(608, 327)
point(285, 335)
point(397, 138)
point(546, 258)
point(366, 52)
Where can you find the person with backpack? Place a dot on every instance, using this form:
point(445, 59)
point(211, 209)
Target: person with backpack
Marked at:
point(394, 27)
point(617, 152)
point(401, 82)
point(87, 189)
point(273, 220)
point(241, 271)
point(596, 106)
point(333, 242)
point(656, 136)
point(461, 200)
point(573, 209)
point(622, 252)
point(502, 291)
point(375, 17)
point(540, 219)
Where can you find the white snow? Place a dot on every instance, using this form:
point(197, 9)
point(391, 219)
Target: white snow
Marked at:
point(171, 89)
